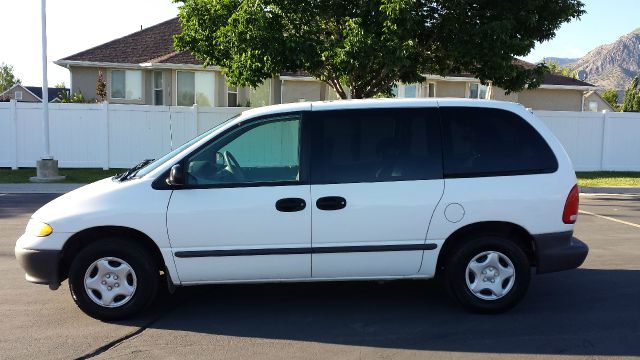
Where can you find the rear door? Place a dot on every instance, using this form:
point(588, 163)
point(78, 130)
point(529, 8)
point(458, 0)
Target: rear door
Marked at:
point(376, 178)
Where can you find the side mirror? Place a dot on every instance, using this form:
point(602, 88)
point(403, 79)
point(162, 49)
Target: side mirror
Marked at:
point(176, 176)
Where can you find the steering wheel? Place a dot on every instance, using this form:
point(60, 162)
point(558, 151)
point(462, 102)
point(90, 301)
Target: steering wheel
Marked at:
point(233, 166)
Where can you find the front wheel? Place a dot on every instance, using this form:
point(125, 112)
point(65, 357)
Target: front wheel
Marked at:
point(113, 279)
point(488, 274)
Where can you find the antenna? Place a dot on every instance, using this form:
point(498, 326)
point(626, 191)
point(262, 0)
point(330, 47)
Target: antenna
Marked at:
point(582, 75)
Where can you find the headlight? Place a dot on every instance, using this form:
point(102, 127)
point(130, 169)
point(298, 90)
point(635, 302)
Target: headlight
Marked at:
point(38, 228)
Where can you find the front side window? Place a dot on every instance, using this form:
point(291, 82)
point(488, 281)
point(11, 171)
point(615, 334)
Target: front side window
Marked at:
point(195, 87)
point(266, 152)
point(492, 142)
point(375, 145)
point(126, 84)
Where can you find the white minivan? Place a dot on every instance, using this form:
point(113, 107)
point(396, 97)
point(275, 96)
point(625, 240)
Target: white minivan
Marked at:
point(474, 192)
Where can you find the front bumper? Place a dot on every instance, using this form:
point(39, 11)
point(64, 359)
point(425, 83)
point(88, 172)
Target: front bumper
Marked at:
point(559, 251)
point(41, 266)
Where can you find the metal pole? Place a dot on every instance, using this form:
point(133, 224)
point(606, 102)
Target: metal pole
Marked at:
point(45, 84)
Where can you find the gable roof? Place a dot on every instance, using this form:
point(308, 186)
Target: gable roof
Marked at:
point(37, 91)
point(151, 45)
point(52, 92)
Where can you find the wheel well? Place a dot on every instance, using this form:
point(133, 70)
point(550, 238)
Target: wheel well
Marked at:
point(511, 231)
point(82, 239)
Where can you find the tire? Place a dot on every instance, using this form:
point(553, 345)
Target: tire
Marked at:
point(113, 279)
point(492, 290)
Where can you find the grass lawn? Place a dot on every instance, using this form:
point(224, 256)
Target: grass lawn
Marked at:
point(73, 175)
point(609, 178)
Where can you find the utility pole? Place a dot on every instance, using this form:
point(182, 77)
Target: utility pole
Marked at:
point(47, 167)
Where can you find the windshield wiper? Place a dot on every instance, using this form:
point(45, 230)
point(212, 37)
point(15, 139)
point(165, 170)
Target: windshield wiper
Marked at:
point(133, 171)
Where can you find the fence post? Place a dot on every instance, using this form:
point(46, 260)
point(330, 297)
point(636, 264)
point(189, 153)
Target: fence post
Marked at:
point(605, 129)
point(14, 122)
point(195, 120)
point(105, 135)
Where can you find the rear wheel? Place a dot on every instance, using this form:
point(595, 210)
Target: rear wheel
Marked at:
point(113, 279)
point(488, 274)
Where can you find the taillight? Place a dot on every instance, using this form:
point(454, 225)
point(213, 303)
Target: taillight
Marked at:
point(570, 213)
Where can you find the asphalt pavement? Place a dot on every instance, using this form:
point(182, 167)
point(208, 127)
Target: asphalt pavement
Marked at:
point(590, 312)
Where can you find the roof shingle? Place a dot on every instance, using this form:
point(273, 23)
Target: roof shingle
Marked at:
point(153, 44)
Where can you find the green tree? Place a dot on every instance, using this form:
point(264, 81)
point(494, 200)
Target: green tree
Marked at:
point(60, 85)
point(632, 97)
point(364, 46)
point(611, 96)
point(7, 78)
point(555, 68)
point(73, 98)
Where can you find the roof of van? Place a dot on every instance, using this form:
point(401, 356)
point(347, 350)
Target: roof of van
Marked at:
point(378, 104)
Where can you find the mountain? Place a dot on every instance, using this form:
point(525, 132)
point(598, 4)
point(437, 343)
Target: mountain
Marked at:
point(613, 65)
point(560, 61)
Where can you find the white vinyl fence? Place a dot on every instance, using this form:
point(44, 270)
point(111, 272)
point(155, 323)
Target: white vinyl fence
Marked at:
point(100, 135)
point(597, 141)
point(115, 136)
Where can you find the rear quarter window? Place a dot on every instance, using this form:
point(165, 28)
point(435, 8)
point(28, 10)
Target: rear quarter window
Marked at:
point(492, 142)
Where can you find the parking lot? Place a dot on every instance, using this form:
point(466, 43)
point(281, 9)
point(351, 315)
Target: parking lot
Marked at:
point(593, 311)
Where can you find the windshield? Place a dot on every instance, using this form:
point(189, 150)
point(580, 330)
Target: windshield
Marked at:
point(154, 165)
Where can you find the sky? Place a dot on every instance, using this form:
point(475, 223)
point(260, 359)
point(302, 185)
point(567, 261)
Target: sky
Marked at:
point(77, 25)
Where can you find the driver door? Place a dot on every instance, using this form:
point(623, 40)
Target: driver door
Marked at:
point(244, 213)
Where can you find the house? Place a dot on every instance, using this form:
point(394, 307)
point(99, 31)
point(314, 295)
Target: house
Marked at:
point(594, 102)
point(23, 93)
point(144, 68)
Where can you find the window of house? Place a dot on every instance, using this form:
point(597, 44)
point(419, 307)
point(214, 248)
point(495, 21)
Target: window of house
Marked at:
point(195, 87)
point(260, 95)
point(158, 88)
point(126, 84)
point(18, 95)
point(477, 91)
point(232, 96)
point(431, 89)
point(405, 90)
point(375, 145)
point(593, 106)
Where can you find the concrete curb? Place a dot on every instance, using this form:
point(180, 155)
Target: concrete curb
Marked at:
point(38, 188)
point(610, 190)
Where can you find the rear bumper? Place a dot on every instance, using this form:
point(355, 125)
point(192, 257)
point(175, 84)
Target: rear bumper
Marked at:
point(41, 266)
point(559, 251)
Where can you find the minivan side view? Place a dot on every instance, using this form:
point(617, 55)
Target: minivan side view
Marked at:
point(476, 193)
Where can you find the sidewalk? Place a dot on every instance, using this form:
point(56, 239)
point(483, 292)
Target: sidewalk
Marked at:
point(37, 188)
point(610, 190)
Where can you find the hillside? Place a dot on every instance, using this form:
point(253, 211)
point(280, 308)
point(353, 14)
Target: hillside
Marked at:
point(560, 61)
point(613, 65)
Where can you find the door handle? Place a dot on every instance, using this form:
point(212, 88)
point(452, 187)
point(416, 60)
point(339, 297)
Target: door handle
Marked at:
point(290, 204)
point(331, 203)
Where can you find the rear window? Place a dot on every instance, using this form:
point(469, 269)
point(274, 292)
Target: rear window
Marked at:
point(492, 142)
point(375, 145)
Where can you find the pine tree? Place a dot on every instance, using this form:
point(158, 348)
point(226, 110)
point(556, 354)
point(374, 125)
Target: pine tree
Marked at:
point(632, 97)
